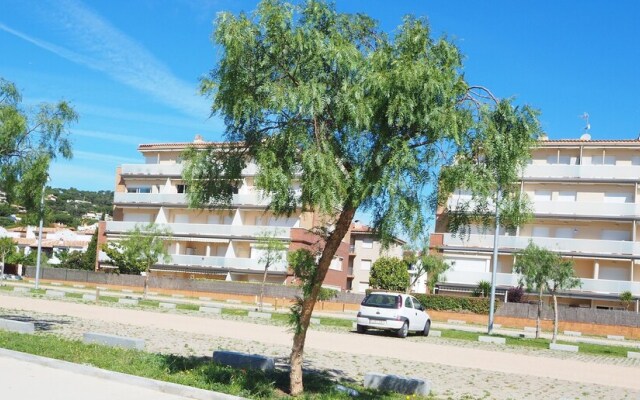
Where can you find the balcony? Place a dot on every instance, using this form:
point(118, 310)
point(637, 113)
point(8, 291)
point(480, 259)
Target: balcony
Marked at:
point(232, 263)
point(207, 230)
point(119, 198)
point(594, 172)
point(502, 279)
point(592, 209)
point(169, 170)
point(587, 246)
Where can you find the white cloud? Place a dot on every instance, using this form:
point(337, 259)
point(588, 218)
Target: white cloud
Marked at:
point(100, 46)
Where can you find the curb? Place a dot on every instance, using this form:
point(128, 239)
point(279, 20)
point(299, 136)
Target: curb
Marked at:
point(152, 384)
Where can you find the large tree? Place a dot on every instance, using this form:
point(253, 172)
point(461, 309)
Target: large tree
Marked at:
point(389, 273)
point(361, 119)
point(29, 140)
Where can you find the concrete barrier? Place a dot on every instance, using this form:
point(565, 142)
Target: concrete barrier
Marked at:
point(21, 289)
point(243, 360)
point(113, 340)
point(127, 291)
point(54, 293)
point(572, 333)
point(167, 305)
point(256, 314)
point(563, 347)
point(232, 301)
point(492, 339)
point(56, 284)
point(398, 384)
point(17, 326)
point(89, 297)
point(615, 337)
point(129, 302)
point(529, 329)
point(152, 293)
point(78, 286)
point(435, 333)
point(204, 298)
point(456, 321)
point(210, 310)
point(314, 321)
point(633, 354)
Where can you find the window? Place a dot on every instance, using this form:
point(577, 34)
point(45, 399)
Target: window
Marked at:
point(336, 264)
point(617, 197)
point(567, 196)
point(408, 303)
point(367, 243)
point(365, 265)
point(139, 189)
point(181, 188)
point(542, 195)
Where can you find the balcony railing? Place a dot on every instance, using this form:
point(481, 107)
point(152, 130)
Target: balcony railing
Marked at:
point(252, 199)
point(604, 172)
point(235, 263)
point(556, 244)
point(169, 169)
point(586, 208)
point(218, 230)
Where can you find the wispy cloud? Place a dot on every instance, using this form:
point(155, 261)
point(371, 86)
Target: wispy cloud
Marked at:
point(110, 136)
point(104, 158)
point(100, 46)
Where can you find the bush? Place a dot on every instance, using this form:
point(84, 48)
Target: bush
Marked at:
point(483, 289)
point(515, 294)
point(389, 273)
point(452, 303)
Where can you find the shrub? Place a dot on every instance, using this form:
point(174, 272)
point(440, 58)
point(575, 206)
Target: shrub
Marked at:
point(453, 303)
point(515, 294)
point(389, 273)
point(483, 289)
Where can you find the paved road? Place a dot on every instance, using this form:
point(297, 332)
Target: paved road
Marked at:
point(350, 343)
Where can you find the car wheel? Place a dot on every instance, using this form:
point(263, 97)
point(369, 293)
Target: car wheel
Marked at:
point(404, 331)
point(427, 327)
point(361, 328)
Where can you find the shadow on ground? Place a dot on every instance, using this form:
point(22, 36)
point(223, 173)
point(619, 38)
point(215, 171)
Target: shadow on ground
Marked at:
point(40, 324)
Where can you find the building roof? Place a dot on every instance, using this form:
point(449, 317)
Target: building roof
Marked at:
point(361, 229)
point(587, 142)
point(198, 142)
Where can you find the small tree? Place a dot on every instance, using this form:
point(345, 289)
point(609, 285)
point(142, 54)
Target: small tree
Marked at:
point(7, 247)
point(143, 246)
point(389, 273)
point(534, 265)
point(91, 254)
point(483, 289)
point(431, 265)
point(562, 277)
point(272, 252)
point(626, 298)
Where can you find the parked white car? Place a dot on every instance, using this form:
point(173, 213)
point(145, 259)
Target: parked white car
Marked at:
point(397, 312)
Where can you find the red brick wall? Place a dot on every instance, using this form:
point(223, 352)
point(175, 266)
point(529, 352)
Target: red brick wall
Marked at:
point(304, 239)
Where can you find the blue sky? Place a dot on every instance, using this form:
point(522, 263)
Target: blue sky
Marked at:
point(131, 68)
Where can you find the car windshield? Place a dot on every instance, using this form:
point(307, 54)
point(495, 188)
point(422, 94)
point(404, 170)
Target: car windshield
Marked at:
point(380, 300)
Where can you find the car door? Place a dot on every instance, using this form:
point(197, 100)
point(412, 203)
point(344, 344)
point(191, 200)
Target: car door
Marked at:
point(420, 316)
point(410, 313)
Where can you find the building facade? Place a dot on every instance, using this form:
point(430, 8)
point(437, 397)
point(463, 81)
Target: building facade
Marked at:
point(586, 207)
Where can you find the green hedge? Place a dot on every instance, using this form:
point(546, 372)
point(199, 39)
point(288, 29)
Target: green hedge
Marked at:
point(452, 303)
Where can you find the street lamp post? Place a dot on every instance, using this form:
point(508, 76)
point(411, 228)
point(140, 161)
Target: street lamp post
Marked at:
point(39, 257)
point(494, 268)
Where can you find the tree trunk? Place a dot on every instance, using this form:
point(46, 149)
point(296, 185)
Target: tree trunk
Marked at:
point(331, 246)
point(264, 279)
point(146, 284)
point(2, 266)
point(539, 316)
point(555, 318)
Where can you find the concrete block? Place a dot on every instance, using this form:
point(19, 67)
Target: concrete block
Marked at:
point(56, 284)
point(204, 298)
point(127, 291)
point(152, 293)
point(354, 325)
point(314, 321)
point(179, 296)
point(615, 337)
point(243, 360)
point(54, 293)
point(398, 384)
point(113, 340)
point(232, 301)
point(572, 333)
point(435, 333)
point(529, 329)
point(633, 354)
point(257, 314)
point(129, 302)
point(456, 321)
point(17, 326)
point(78, 286)
point(89, 297)
point(167, 305)
point(101, 288)
point(21, 289)
point(210, 310)
point(563, 347)
point(492, 339)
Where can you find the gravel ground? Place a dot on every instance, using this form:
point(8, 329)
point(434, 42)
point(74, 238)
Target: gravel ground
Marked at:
point(449, 382)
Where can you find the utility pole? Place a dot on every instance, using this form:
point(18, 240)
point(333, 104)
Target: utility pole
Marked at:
point(38, 260)
point(494, 268)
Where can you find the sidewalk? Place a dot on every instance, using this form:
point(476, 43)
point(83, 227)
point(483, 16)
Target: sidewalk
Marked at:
point(34, 377)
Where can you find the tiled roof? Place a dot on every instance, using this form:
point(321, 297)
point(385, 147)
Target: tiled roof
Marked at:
point(183, 145)
point(595, 141)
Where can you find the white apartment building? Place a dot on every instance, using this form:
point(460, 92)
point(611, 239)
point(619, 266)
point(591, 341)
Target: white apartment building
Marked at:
point(220, 243)
point(586, 207)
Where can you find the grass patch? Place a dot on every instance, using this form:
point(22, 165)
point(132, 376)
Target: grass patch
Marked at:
point(343, 323)
point(73, 295)
point(149, 303)
point(109, 299)
point(280, 317)
point(198, 372)
point(7, 288)
point(188, 306)
point(461, 335)
point(235, 311)
point(38, 291)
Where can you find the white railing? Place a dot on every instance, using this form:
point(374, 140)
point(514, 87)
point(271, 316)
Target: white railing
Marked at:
point(253, 199)
point(609, 172)
point(169, 169)
point(607, 286)
point(555, 244)
point(280, 232)
point(236, 263)
point(586, 208)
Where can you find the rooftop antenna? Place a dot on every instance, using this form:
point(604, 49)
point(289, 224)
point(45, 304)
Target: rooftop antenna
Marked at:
point(587, 127)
